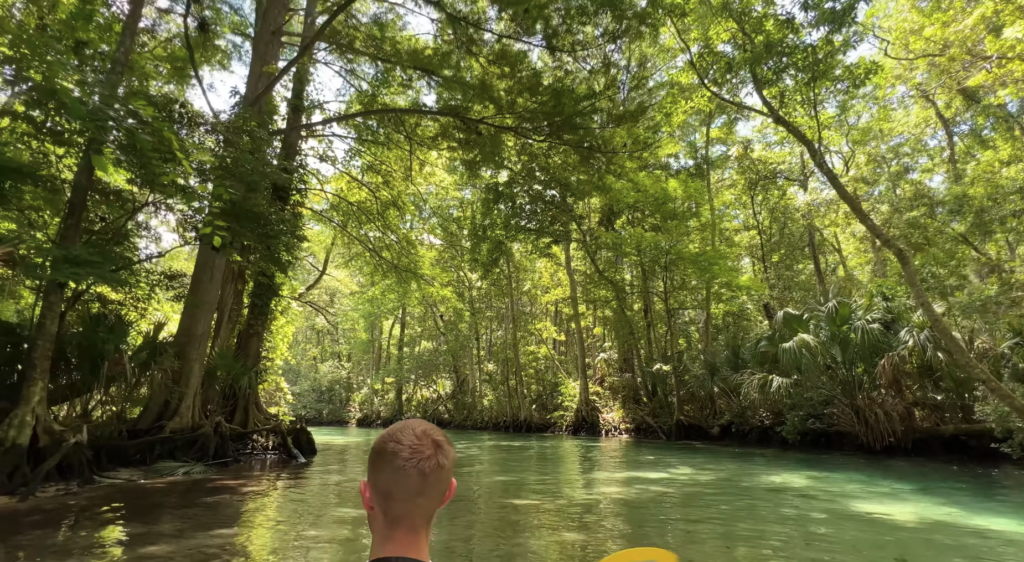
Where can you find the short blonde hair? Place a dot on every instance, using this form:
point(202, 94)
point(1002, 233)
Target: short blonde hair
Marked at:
point(409, 471)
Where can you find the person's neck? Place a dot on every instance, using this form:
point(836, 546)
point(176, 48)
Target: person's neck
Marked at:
point(406, 544)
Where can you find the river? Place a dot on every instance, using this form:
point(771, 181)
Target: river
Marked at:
point(547, 498)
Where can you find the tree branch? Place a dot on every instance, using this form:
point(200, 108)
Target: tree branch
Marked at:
point(323, 269)
point(316, 308)
point(192, 57)
point(947, 129)
point(304, 50)
point(437, 5)
point(703, 82)
point(149, 258)
point(449, 115)
point(888, 43)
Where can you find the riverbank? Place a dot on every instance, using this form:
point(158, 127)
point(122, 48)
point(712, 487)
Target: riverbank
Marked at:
point(954, 443)
point(83, 463)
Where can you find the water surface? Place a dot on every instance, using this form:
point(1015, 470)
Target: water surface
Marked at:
point(544, 497)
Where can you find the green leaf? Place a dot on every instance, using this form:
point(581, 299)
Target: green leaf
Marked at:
point(206, 230)
point(216, 241)
point(101, 164)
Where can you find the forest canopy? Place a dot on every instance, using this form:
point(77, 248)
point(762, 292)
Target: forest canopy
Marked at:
point(667, 217)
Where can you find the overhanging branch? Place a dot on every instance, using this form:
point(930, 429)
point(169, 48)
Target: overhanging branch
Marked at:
point(304, 50)
point(192, 57)
point(704, 83)
point(379, 112)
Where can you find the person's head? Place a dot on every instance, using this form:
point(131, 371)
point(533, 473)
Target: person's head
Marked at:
point(408, 477)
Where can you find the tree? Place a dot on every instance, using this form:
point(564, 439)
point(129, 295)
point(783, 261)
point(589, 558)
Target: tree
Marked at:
point(766, 63)
point(31, 415)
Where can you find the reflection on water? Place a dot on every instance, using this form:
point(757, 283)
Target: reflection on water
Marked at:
point(543, 498)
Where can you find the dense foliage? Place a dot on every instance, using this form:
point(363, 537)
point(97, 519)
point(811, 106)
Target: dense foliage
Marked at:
point(663, 216)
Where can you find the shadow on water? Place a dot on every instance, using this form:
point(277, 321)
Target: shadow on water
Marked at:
point(540, 497)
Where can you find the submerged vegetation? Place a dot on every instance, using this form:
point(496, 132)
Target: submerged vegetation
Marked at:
point(676, 218)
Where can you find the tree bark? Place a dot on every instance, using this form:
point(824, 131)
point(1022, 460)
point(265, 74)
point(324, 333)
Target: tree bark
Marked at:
point(629, 347)
point(377, 361)
point(812, 246)
point(766, 306)
point(648, 311)
point(16, 430)
point(947, 131)
point(958, 351)
point(838, 247)
point(387, 348)
point(323, 269)
point(673, 341)
point(378, 344)
point(474, 320)
point(192, 339)
point(705, 327)
point(513, 317)
point(266, 286)
point(400, 378)
point(812, 229)
point(229, 307)
point(584, 405)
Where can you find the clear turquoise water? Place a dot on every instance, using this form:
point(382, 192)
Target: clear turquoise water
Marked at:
point(543, 497)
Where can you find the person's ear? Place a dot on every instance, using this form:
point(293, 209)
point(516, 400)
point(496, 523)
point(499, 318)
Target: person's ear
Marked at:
point(364, 493)
point(450, 493)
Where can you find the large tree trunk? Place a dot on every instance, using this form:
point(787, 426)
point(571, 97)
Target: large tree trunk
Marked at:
point(950, 341)
point(31, 412)
point(266, 284)
point(192, 338)
point(229, 307)
point(585, 410)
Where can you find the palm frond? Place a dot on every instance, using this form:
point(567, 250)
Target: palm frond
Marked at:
point(765, 388)
point(791, 322)
point(797, 353)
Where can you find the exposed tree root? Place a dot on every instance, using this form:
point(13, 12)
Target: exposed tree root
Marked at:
point(14, 470)
point(216, 440)
point(654, 425)
point(52, 454)
point(71, 457)
point(586, 420)
point(48, 465)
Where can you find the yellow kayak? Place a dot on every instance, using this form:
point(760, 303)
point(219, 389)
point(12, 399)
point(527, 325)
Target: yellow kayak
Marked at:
point(642, 555)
